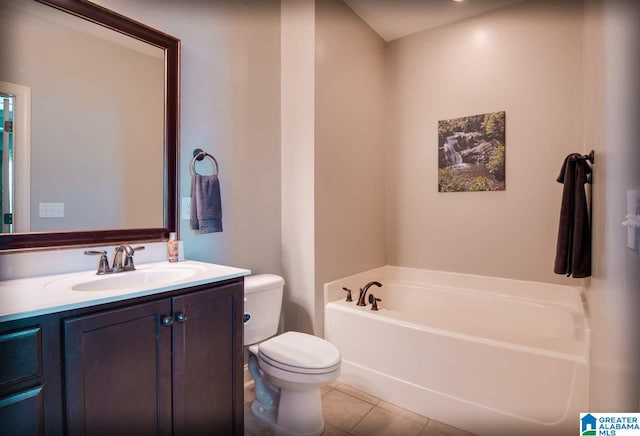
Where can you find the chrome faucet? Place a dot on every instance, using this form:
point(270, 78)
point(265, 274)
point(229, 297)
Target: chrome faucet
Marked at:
point(118, 257)
point(122, 259)
point(363, 292)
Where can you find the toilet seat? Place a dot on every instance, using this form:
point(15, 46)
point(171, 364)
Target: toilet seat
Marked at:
point(299, 353)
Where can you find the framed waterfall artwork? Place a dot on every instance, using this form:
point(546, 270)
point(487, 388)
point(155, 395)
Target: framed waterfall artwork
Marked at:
point(471, 153)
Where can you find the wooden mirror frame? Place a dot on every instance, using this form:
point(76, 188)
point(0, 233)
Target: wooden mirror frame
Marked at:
point(10, 242)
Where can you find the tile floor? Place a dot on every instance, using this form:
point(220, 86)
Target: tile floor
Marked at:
point(348, 411)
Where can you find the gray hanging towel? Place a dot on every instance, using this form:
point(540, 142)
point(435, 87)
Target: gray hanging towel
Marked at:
point(573, 251)
point(206, 205)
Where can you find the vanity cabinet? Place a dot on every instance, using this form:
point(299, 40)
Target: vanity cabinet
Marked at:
point(165, 364)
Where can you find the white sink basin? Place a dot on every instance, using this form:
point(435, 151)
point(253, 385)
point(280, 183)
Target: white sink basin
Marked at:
point(143, 278)
point(133, 279)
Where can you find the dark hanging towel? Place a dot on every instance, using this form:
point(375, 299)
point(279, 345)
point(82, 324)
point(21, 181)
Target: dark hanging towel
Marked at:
point(573, 252)
point(206, 204)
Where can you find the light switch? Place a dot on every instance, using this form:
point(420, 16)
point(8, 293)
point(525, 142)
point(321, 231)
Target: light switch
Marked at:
point(185, 211)
point(51, 210)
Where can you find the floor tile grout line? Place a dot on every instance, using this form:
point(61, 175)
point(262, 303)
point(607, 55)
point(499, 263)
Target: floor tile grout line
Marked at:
point(405, 417)
point(358, 398)
point(424, 426)
point(362, 419)
point(330, 389)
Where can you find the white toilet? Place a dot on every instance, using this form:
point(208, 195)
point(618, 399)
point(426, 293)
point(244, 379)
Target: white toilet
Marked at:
point(288, 369)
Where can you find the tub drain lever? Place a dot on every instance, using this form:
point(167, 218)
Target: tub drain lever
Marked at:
point(374, 302)
point(348, 291)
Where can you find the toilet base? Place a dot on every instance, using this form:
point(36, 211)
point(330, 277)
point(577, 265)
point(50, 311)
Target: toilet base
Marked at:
point(299, 413)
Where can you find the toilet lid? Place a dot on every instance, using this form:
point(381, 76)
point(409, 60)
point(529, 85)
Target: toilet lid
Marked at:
point(300, 352)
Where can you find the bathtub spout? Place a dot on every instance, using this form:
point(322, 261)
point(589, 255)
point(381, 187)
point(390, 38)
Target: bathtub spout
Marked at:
point(363, 292)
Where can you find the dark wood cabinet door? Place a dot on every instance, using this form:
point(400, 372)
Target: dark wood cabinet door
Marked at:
point(118, 371)
point(21, 404)
point(207, 362)
point(22, 414)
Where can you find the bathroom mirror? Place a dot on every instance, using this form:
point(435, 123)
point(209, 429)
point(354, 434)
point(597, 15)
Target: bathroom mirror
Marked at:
point(104, 124)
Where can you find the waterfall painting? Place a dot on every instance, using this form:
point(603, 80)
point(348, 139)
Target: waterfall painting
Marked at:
point(471, 152)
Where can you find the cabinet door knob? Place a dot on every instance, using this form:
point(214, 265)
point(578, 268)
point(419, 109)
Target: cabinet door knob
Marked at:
point(181, 317)
point(167, 321)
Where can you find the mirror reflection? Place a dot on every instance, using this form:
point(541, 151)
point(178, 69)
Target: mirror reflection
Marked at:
point(83, 122)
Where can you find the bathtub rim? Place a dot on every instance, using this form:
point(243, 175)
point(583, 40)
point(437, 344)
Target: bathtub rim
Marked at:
point(382, 273)
point(484, 292)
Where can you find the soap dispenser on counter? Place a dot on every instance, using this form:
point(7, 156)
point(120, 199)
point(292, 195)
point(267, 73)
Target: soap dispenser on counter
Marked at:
point(173, 247)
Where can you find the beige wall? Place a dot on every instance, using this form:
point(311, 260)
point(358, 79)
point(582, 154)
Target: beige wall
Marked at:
point(349, 147)
point(97, 116)
point(567, 78)
point(611, 90)
point(526, 60)
point(298, 176)
point(332, 153)
point(230, 97)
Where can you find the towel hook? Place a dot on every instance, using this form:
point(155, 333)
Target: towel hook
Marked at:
point(198, 155)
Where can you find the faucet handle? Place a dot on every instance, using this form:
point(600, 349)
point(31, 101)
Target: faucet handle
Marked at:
point(374, 302)
point(103, 262)
point(348, 291)
point(128, 259)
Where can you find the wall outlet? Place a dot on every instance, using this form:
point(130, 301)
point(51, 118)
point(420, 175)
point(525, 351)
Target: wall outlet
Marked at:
point(185, 210)
point(51, 210)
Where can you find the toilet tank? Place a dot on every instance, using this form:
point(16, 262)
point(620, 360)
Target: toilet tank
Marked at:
point(262, 305)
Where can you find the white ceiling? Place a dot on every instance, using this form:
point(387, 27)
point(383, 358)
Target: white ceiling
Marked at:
point(393, 19)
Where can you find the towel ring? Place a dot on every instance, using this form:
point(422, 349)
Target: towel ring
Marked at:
point(199, 154)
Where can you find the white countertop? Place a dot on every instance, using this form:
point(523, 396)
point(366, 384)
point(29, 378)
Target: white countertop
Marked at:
point(23, 298)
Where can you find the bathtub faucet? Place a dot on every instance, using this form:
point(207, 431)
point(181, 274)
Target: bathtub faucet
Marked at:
point(363, 292)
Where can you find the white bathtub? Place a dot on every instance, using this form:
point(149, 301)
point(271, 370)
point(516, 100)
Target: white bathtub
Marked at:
point(488, 355)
